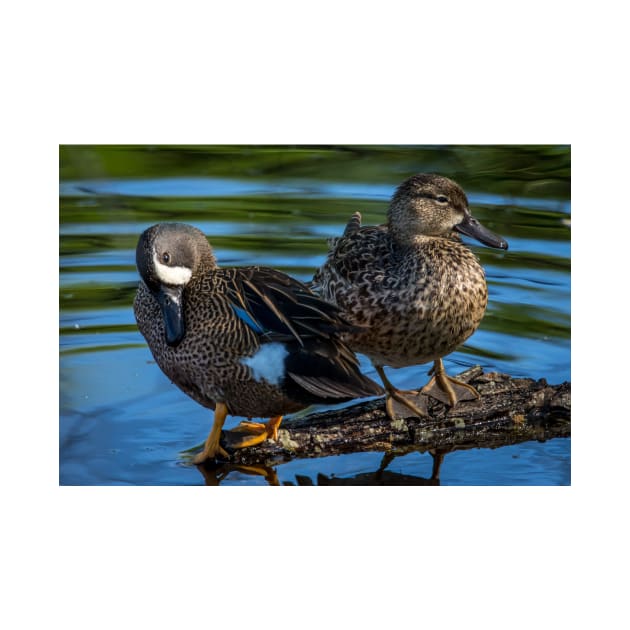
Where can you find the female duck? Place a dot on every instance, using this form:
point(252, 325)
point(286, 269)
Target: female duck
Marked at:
point(245, 341)
point(413, 287)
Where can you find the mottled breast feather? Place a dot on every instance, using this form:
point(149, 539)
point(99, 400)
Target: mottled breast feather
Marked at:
point(417, 302)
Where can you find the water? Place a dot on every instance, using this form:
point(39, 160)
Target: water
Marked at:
point(123, 422)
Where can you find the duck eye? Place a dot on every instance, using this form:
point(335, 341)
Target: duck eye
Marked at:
point(166, 258)
point(441, 199)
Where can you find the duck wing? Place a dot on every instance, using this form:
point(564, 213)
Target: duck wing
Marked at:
point(281, 309)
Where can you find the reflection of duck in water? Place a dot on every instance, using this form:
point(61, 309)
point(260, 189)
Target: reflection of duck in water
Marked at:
point(413, 287)
point(382, 477)
point(247, 341)
point(215, 475)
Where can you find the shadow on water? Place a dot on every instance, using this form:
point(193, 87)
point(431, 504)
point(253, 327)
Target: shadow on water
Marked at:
point(122, 422)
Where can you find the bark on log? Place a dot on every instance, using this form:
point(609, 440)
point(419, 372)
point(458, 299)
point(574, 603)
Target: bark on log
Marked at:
point(509, 411)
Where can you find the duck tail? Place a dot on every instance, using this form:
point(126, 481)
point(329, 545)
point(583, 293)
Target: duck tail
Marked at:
point(353, 225)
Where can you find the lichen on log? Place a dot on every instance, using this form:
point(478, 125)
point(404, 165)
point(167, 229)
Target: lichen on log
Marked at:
point(509, 411)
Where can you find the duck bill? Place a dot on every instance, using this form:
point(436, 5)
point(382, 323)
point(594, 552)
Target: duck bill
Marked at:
point(471, 227)
point(170, 300)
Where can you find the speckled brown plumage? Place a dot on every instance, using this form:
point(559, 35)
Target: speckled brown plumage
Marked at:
point(415, 287)
point(417, 302)
point(209, 327)
point(206, 365)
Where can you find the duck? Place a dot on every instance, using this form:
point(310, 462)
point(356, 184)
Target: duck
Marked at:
point(414, 290)
point(242, 341)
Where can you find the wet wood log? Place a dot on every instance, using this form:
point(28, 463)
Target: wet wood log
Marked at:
point(509, 411)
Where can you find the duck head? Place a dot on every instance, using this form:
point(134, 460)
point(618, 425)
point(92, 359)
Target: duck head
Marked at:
point(433, 205)
point(168, 256)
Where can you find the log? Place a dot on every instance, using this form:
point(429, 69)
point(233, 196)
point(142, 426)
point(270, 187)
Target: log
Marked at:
point(509, 411)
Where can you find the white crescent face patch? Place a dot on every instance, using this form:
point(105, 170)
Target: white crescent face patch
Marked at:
point(171, 275)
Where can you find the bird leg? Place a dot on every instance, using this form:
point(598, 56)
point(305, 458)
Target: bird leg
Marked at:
point(212, 448)
point(257, 432)
point(272, 427)
point(392, 395)
point(446, 389)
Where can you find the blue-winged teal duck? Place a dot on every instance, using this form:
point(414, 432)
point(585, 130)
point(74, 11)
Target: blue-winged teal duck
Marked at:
point(411, 283)
point(247, 341)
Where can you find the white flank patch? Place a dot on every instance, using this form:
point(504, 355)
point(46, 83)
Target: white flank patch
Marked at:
point(268, 363)
point(171, 275)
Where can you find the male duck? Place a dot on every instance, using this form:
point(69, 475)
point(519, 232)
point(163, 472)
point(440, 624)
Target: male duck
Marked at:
point(413, 287)
point(247, 341)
